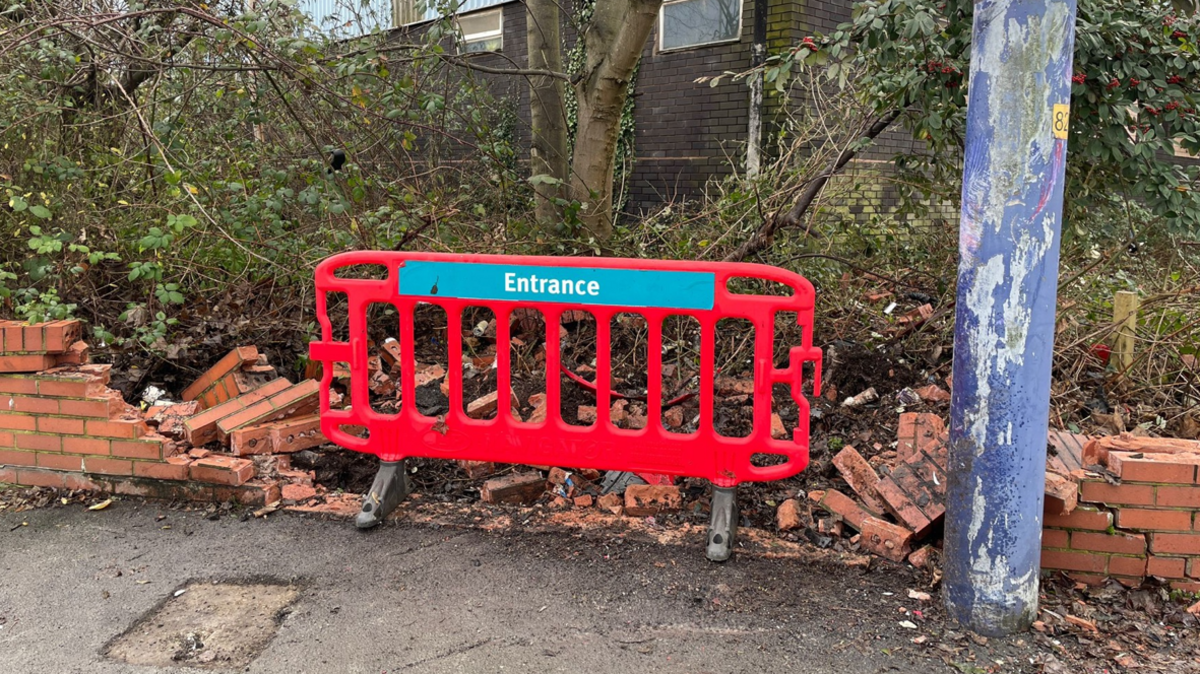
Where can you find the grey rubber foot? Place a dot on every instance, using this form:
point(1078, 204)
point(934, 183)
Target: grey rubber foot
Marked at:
point(387, 491)
point(723, 525)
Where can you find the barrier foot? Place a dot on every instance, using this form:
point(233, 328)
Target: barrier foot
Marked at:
point(387, 491)
point(723, 525)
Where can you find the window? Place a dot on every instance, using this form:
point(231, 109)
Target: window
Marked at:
point(692, 23)
point(482, 31)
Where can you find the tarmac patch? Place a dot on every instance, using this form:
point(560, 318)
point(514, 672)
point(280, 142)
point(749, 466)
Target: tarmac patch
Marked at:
point(223, 625)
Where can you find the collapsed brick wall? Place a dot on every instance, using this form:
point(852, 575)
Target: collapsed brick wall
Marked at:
point(1141, 521)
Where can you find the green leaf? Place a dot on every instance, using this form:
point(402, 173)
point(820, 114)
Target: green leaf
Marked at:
point(40, 211)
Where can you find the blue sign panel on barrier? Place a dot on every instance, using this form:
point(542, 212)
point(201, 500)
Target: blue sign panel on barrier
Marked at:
point(580, 285)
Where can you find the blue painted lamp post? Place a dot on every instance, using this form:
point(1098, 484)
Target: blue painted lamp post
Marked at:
point(1017, 116)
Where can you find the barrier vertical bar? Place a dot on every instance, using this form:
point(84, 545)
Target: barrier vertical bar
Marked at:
point(1012, 193)
point(553, 320)
point(603, 367)
point(454, 365)
point(654, 374)
point(503, 365)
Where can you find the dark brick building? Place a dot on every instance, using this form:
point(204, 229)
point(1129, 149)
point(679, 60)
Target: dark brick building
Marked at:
point(685, 132)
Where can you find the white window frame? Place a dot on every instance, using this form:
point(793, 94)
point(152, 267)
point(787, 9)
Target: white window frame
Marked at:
point(465, 38)
point(662, 26)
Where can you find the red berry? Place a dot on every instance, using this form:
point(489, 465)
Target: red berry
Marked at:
point(1079, 78)
point(1133, 82)
point(1174, 79)
point(1152, 111)
point(1179, 35)
point(1172, 105)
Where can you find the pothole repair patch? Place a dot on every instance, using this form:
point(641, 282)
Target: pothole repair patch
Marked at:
point(222, 625)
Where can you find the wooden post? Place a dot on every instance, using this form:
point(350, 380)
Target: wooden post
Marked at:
point(1125, 308)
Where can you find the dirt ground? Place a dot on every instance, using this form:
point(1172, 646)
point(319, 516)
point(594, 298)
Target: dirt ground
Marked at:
point(463, 588)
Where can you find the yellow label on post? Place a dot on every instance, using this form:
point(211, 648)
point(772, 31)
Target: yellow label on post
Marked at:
point(1062, 120)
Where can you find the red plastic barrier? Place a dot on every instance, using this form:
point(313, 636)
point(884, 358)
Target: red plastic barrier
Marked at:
point(725, 461)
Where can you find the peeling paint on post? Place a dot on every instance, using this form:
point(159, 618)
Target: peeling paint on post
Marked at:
point(1004, 332)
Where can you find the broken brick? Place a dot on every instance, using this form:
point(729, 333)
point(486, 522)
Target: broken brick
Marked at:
point(933, 394)
point(584, 501)
point(673, 417)
point(841, 505)
point(296, 493)
point(390, 350)
point(1062, 494)
point(427, 373)
point(922, 558)
point(919, 432)
point(778, 430)
point(644, 500)
point(886, 539)
point(484, 406)
point(234, 360)
point(222, 470)
point(300, 398)
point(519, 488)
point(613, 503)
point(730, 386)
point(477, 469)
point(788, 515)
point(586, 414)
point(79, 353)
point(202, 428)
point(861, 477)
point(381, 384)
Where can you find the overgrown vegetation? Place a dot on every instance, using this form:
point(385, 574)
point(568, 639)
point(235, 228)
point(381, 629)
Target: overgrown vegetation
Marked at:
point(168, 175)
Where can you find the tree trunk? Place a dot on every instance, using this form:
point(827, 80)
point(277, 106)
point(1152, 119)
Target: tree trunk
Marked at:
point(613, 40)
point(548, 154)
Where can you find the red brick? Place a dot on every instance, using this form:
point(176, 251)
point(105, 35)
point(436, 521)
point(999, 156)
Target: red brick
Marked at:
point(101, 409)
point(1166, 567)
point(26, 363)
point(106, 466)
point(17, 422)
point(1086, 518)
point(1055, 538)
point(18, 385)
point(1178, 497)
point(295, 493)
point(59, 461)
point(477, 469)
point(1154, 520)
point(886, 539)
point(1183, 586)
point(298, 399)
point(138, 449)
point(1062, 493)
point(117, 428)
point(644, 500)
point(58, 336)
point(13, 337)
point(79, 353)
point(33, 405)
point(39, 478)
point(7, 439)
point(160, 471)
point(75, 387)
point(222, 470)
point(8, 475)
point(1094, 491)
point(39, 442)
point(202, 428)
point(1193, 565)
point(293, 435)
point(12, 457)
point(60, 425)
point(81, 445)
point(861, 477)
point(902, 507)
point(1172, 468)
point(1127, 566)
point(1074, 561)
point(844, 507)
point(1175, 544)
point(1126, 544)
point(232, 361)
point(515, 488)
point(918, 432)
point(254, 439)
